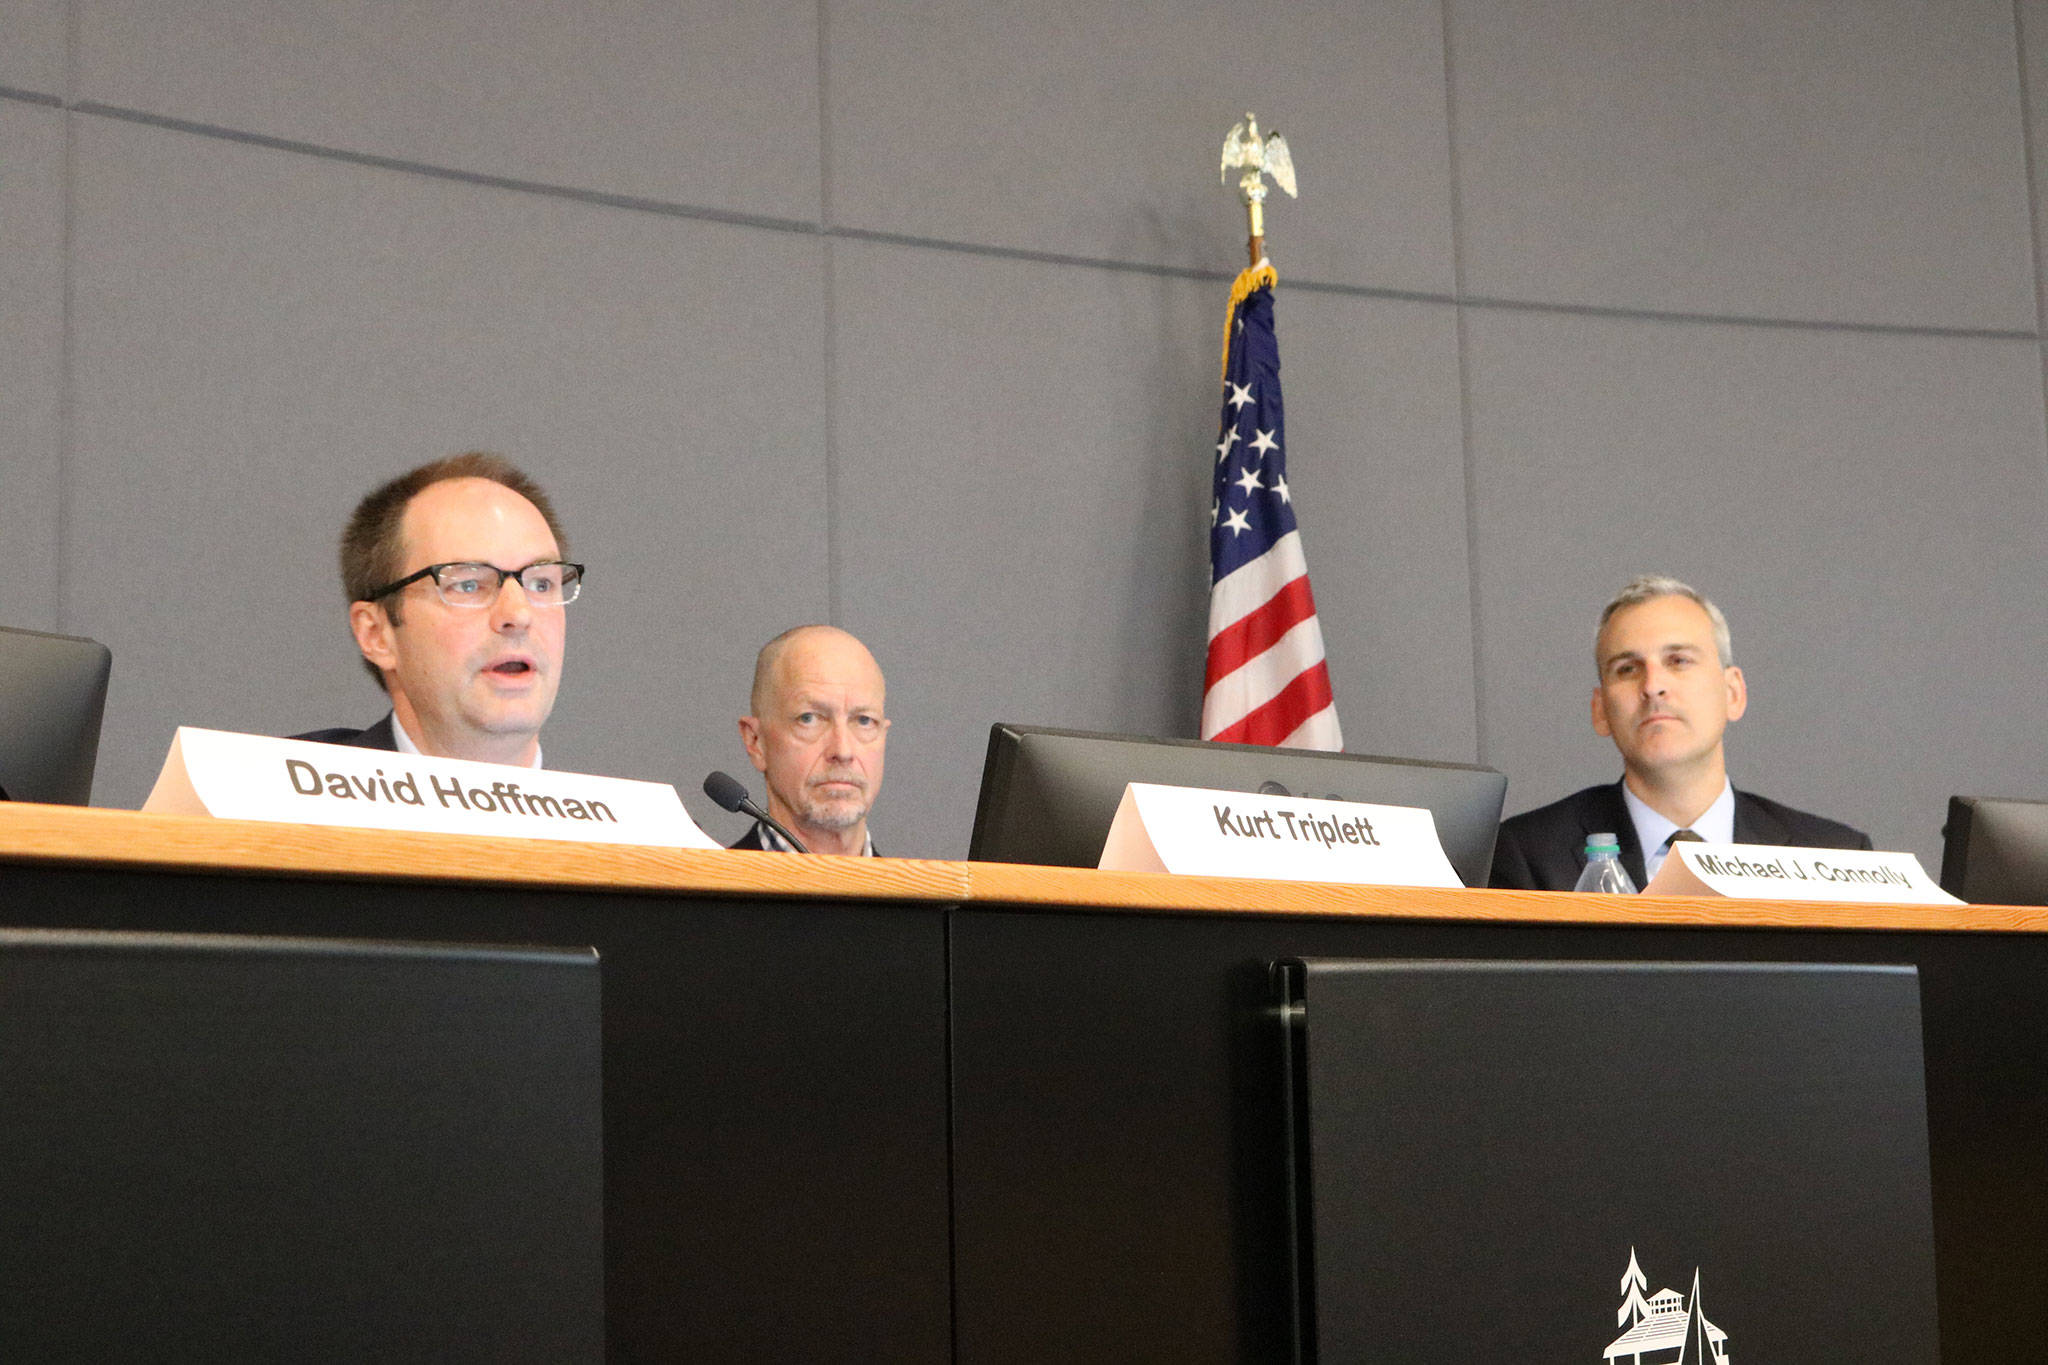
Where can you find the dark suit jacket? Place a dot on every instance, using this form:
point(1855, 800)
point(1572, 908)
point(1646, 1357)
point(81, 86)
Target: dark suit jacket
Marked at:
point(750, 841)
point(378, 736)
point(1545, 849)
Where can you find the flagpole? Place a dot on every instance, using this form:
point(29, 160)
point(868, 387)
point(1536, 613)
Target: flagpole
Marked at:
point(1266, 680)
point(1254, 207)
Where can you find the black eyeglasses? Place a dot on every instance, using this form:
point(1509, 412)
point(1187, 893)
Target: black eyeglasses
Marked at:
point(550, 583)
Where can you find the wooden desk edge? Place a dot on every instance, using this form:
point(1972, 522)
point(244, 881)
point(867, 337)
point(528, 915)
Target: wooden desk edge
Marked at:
point(85, 836)
point(174, 843)
point(1004, 883)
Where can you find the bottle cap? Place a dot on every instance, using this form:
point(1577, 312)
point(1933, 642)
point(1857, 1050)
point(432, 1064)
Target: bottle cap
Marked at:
point(1597, 844)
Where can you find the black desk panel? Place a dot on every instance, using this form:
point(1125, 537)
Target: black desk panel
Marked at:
point(774, 1090)
point(225, 1148)
point(1753, 1135)
point(1119, 1144)
point(786, 1079)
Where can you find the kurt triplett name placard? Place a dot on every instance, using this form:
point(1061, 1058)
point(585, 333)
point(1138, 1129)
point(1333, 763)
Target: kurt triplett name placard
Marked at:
point(1204, 833)
point(252, 777)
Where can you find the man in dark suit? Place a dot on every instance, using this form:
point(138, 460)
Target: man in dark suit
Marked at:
point(818, 734)
point(1666, 693)
point(382, 735)
point(457, 583)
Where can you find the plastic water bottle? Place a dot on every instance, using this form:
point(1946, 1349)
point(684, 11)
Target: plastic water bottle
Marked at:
point(1604, 872)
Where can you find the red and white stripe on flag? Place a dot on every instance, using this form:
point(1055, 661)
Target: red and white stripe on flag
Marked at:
point(1267, 680)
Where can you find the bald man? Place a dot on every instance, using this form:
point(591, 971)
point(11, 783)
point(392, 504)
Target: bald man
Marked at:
point(817, 734)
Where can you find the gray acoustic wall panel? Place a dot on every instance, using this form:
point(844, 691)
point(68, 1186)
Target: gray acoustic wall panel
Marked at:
point(1768, 158)
point(1094, 130)
point(1022, 506)
point(1376, 456)
point(1024, 476)
point(692, 101)
point(255, 336)
point(1870, 510)
point(31, 360)
point(32, 46)
point(262, 336)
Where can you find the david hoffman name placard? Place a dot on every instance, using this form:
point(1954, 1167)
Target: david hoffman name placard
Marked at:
point(254, 777)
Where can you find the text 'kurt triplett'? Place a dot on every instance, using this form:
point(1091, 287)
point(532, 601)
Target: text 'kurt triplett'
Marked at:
point(500, 798)
point(1285, 825)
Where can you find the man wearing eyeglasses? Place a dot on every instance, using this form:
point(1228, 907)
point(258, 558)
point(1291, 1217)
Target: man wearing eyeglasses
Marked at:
point(457, 581)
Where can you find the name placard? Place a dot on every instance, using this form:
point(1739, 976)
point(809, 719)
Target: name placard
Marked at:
point(1767, 872)
point(1196, 832)
point(254, 777)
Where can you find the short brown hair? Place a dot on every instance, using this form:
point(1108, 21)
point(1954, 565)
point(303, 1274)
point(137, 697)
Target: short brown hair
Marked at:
point(1648, 587)
point(370, 545)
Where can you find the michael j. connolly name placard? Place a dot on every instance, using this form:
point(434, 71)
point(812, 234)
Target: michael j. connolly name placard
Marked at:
point(1767, 872)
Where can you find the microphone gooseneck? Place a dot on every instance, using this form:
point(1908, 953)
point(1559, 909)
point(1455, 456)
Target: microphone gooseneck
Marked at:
point(731, 795)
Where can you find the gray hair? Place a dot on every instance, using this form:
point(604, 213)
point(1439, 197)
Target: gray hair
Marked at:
point(1648, 587)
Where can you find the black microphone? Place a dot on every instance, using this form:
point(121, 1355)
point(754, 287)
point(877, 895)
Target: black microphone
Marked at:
point(728, 793)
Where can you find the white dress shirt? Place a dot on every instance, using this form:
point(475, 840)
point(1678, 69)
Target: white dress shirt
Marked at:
point(1653, 831)
point(406, 746)
point(771, 842)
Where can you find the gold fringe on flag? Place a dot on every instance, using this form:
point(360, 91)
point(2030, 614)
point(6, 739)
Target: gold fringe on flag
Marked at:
point(1247, 280)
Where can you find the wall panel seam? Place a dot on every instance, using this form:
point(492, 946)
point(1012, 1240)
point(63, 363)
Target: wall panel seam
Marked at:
point(377, 161)
point(768, 222)
point(2019, 43)
point(1749, 320)
point(824, 120)
point(67, 379)
point(828, 280)
point(74, 24)
point(1458, 328)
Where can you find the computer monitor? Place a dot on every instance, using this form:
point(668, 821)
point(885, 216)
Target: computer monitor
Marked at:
point(53, 689)
point(1995, 851)
point(1048, 796)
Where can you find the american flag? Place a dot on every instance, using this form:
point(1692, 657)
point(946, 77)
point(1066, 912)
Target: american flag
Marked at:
point(1267, 681)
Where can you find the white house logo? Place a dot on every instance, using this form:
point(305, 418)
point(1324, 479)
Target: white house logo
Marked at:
point(1667, 1328)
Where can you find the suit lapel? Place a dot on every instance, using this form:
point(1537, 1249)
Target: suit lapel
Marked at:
point(378, 736)
point(1755, 825)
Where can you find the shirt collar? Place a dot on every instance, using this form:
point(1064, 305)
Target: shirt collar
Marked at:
point(406, 746)
point(774, 843)
point(1653, 832)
